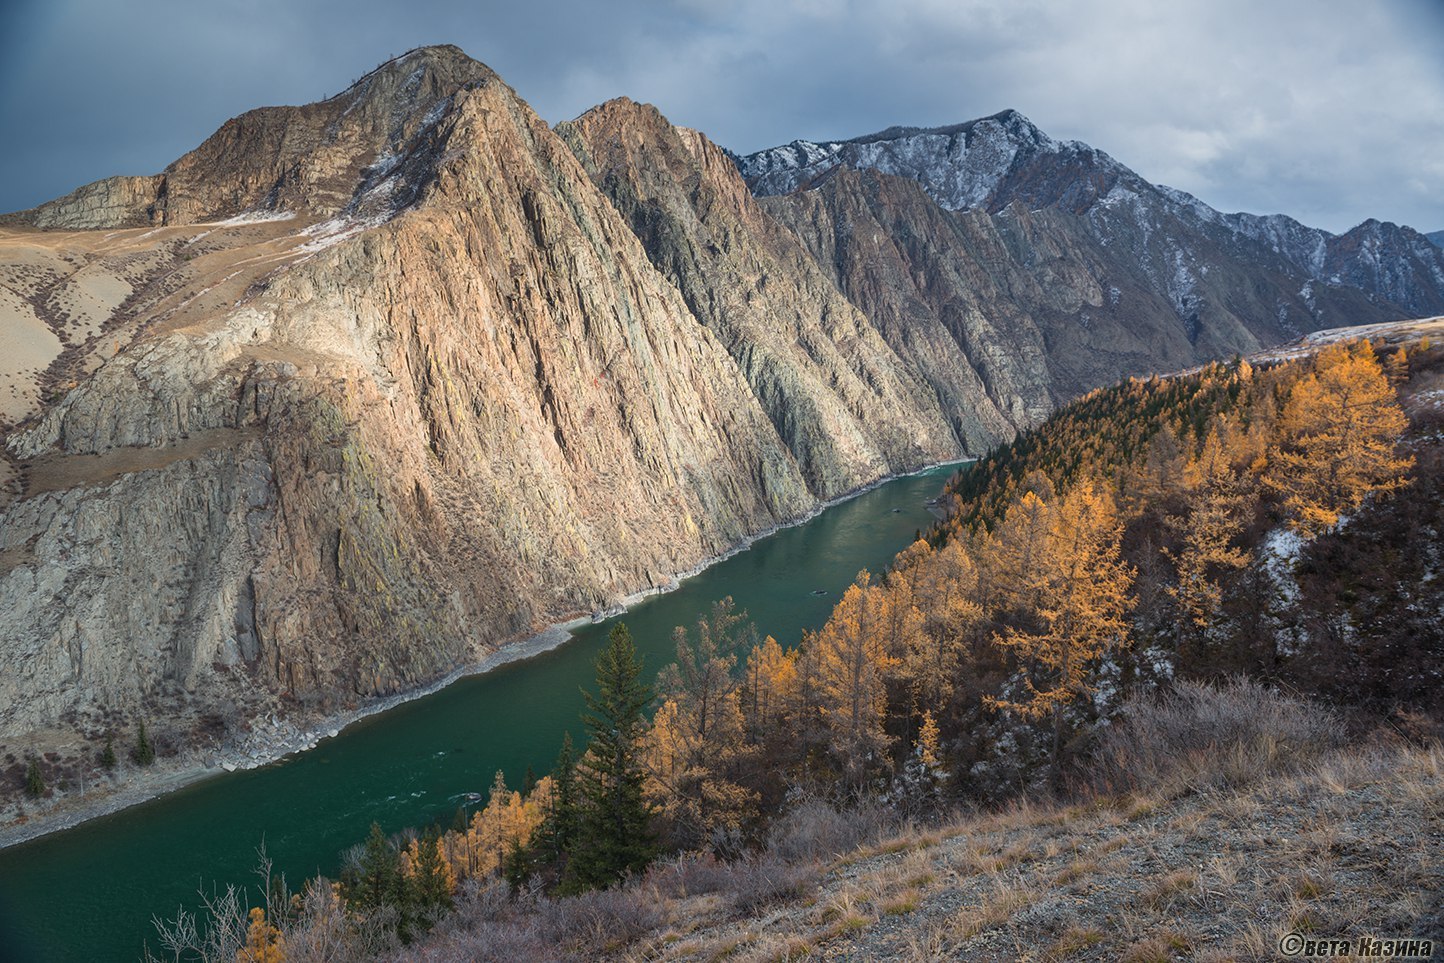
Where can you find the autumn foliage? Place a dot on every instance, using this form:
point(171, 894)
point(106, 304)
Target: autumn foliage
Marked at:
point(1235, 520)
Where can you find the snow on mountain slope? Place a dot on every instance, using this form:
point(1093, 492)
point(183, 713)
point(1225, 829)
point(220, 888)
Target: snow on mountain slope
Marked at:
point(1004, 161)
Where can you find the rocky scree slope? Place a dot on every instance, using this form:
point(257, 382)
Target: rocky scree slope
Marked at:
point(387, 382)
point(1115, 274)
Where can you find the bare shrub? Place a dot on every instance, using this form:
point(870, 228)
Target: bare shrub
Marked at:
point(691, 874)
point(603, 918)
point(321, 933)
point(1200, 736)
point(488, 925)
point(765, 880)
point(814, 829)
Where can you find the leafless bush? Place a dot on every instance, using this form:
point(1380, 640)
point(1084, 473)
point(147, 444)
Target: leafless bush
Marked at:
point(488, 925)
point(691, 874)
point(765, 880)
point(750, 883)
point(214, 935)
point(322, 933)
point(814, 829)
point(1199, 736)
point(592, 921)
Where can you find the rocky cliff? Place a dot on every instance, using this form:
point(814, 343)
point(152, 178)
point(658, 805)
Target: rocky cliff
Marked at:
point(399, 386)
point(899, 393)
point(357, 391)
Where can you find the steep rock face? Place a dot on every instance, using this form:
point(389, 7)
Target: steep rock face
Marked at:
point(352, 449)
point(1037, 308)
point(944, 294)
point(839, 392)
point(1376, 272)
point(316, 158)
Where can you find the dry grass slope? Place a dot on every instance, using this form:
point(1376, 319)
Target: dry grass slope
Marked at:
point(1265, 825)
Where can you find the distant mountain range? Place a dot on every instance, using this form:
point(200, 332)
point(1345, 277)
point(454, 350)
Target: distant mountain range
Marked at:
point(1437, 237)
point(357, 391)
point(1145, 263)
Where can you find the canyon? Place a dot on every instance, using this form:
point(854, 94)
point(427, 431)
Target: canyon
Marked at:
point(358, 391)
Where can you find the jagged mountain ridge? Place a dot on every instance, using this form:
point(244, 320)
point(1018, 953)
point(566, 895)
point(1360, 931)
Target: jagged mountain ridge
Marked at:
point(322, 158)
point(1004, 164)
point(400, 386)
point(358, 390)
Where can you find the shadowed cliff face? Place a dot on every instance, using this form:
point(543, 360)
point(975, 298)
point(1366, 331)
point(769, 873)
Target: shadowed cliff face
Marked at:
point(337, 455)
point(844, 396)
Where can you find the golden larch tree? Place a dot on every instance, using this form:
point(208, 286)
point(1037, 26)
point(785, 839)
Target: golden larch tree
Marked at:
point(769, 690)
point(945, 586)
point(696, 749)
point(1218, 512)
point(850, 662)
point(1339, 435)
point(264, 942)
point(1077, 594)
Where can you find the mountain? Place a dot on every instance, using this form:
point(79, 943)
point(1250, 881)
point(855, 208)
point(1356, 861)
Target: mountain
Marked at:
point(358, 391)
point(1162, 263)
point(1436, 238)
point(750, 280)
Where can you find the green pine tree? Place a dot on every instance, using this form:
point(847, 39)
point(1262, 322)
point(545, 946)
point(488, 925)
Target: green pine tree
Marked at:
point(519, 864)
point(614, 836)
point(107, 755)
point(144, 751)
point(431, 891)
point(547, 851)
point(377, 882)
point(34, 780)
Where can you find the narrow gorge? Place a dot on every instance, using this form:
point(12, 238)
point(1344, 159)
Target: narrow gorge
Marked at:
point(358, 391)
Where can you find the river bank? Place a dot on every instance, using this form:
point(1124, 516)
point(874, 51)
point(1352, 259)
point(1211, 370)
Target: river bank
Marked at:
point(272, 739)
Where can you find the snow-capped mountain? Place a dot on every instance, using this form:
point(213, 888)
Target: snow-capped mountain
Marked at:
point(1004, 167)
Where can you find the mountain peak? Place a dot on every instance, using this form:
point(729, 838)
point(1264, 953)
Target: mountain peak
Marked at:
point(311, 159)
point(960, 165)
point(446, 60)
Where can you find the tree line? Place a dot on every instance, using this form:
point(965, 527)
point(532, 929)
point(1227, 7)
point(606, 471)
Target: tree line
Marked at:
point(1157, 529)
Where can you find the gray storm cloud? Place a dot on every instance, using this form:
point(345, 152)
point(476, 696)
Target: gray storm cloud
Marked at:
point(1330, 111)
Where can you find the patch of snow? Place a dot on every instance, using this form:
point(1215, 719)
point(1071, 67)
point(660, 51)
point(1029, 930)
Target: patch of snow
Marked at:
point(254, 217)
point(1279, 554)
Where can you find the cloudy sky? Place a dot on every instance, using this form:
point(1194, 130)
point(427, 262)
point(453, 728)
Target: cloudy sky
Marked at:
point(1329, 110)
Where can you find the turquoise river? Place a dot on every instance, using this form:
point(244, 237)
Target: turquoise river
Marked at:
point(88, 893)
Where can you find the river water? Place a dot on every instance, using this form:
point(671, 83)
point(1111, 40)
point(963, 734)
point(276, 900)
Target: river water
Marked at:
point(88, 893)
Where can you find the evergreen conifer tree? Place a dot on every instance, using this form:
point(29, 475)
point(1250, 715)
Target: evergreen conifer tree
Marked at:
point(558, 831)
point(614, 837)
point(144, 751)
point(432, 879)
point(34, 781)
point(107, 755)
point(378, 879)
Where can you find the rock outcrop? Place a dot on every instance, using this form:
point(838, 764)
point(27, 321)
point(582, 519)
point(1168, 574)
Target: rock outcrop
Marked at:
point(398, 385)
point(840, 392)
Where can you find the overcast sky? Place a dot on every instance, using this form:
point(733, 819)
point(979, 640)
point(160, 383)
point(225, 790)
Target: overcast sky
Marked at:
point(1329, 110)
